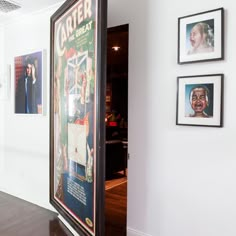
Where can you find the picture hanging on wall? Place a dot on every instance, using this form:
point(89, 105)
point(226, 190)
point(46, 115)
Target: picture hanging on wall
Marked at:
point(201, 37)
point(28, 83)
point(199, 100)
point(77, 108)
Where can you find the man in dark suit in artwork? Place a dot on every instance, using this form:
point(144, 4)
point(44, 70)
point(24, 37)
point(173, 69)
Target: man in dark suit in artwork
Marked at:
point(27, 89)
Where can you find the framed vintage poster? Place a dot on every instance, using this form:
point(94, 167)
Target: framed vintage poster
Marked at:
point(199, 100)
point(201, 37)
point(77, 125)
point(28, 83)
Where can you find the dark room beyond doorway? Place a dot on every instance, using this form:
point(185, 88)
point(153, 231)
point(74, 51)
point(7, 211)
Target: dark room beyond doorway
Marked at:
point(116, 130)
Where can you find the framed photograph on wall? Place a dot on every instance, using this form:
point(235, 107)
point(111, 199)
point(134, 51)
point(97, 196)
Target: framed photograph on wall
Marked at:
point(199, 100)
point(201, 37)
point(28, 83)
point(77, 108)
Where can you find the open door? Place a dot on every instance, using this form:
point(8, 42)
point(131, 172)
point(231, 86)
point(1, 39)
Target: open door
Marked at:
point(77, 109)
point(116, 130)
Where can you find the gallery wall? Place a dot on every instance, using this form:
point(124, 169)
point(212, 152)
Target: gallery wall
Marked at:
point(181, 180)
point(25, 171)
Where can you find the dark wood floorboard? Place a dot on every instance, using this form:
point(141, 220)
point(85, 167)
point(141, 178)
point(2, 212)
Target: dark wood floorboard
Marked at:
point(116, 210)
point(21, 218)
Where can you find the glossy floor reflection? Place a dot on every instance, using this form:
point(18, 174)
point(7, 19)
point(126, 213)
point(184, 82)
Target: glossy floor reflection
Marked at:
point(21, 218)
point(115, 210)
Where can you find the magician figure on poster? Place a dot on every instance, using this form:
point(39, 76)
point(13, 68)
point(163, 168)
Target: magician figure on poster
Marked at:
point(74, 125)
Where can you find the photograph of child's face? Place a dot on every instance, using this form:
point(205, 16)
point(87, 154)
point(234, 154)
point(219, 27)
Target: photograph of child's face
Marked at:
point(200, 37)
point(199, 100)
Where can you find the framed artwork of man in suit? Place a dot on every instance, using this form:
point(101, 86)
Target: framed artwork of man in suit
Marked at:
point(29, 83)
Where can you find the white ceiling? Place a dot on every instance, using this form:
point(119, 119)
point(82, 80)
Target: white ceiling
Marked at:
point(27, 7)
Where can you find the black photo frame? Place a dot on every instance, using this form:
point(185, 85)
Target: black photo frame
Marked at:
point(201, 37)
point(77, 114)
point(200, 100)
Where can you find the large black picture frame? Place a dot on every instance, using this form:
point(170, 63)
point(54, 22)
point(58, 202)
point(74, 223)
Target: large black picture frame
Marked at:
point(77, 114)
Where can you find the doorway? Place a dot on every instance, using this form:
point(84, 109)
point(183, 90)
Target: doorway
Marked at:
point(116, 130)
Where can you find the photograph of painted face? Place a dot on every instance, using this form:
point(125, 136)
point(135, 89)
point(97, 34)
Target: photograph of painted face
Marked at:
point(199, 100)
point(200, 37)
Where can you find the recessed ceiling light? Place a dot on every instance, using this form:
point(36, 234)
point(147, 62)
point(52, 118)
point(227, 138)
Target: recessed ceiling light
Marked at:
point(116, 48)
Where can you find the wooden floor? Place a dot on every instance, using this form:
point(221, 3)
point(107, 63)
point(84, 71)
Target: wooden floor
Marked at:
point(21, 218)
point(115, 210)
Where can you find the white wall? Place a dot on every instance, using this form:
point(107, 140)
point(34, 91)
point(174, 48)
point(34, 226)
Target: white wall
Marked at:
point(2, 104)
point(25, 171)
point(182, 180)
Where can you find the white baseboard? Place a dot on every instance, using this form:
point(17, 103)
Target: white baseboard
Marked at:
point(133, 232)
